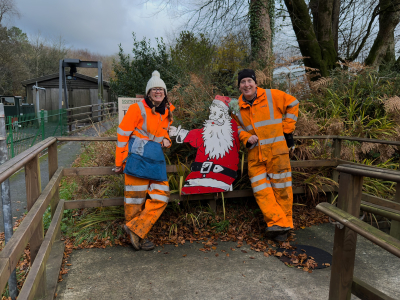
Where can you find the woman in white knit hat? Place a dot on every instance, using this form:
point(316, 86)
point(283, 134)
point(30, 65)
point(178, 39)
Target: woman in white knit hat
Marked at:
point(142, 134)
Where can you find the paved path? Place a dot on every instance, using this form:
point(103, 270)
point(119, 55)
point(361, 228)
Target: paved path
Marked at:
point(184, 272)
point(67, 153)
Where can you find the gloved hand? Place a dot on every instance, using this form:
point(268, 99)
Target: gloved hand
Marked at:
point(289, 140)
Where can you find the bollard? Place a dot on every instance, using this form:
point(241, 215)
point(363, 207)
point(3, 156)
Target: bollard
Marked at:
point(6, 200)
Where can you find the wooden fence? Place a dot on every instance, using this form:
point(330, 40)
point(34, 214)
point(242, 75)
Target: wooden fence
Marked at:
point(343, 283)
point(31, 228)
point(94, 113)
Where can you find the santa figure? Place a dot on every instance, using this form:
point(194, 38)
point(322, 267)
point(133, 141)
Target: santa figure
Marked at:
point(216, 164)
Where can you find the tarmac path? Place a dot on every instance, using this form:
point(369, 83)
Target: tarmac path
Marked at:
point(67, 153)
point(184, 272)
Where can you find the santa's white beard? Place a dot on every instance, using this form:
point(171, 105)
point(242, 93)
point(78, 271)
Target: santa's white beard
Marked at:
point(218, 139)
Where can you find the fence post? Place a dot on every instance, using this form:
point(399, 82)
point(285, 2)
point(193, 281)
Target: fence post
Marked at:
point(69, 114)
point(11, 135)
point(53, 166)
point(337, 147)
point(33, 190)
point(6, 200)
point(42, 123)
point(395, 225)
point(345, 240)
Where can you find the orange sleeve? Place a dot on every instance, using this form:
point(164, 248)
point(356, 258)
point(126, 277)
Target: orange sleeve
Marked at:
point(166, 136)
point(124, 131)
point(289, 107)
point(243, 134)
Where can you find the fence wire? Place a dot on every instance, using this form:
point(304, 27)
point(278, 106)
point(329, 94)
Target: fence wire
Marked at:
point(29, 129)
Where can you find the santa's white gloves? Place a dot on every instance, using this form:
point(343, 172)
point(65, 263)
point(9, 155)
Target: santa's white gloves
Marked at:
point(179, 133)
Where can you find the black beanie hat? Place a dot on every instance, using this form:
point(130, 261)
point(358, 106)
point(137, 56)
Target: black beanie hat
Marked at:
point(246, 73)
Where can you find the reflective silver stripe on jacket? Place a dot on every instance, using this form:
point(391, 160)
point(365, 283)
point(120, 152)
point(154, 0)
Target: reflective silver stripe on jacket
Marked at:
point(272, 140)
point(134, 200)
point(281, 185)
point(123, 132)
point(121, 144)
point(294, 103)
point(291, 116)
point(267, 122)
point(159, 197)
point(143, 131)
point(144, 116)
point(261, 187)
point(250, 127)
point(258, 177)
point(280, 175)
point(136, 188)
point(239, 115)
point(155, 186)
point(270, 104)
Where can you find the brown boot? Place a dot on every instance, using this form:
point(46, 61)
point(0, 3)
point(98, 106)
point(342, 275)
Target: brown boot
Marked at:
point(133, 237)
point(146, 245)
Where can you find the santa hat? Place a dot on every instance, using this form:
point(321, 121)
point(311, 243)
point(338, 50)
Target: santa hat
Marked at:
point(222, 101)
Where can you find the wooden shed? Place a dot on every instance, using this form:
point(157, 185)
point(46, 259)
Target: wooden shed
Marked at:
point(82, 90)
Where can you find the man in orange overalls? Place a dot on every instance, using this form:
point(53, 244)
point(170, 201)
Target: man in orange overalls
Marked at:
point(266, 121)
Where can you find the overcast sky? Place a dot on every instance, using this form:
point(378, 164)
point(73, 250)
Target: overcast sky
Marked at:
point(96, 25)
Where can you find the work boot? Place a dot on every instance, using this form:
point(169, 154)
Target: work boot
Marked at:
point(133, 237)
point(281, 237)
point(146, 245)
point(277, 233)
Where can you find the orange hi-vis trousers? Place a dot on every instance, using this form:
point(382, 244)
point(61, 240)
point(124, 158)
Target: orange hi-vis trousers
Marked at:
point(271, 181)
point(141, 214)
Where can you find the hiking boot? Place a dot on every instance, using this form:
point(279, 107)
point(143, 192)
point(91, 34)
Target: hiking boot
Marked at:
point(146, 245)
point(281, 237)
point(133, 237)
point(277, 228)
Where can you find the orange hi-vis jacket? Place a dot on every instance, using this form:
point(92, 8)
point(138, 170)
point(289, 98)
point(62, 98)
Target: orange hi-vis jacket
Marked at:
point(273, 113)
point(139, 121)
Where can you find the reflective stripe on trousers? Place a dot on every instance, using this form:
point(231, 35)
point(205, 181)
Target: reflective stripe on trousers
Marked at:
point(142, 213)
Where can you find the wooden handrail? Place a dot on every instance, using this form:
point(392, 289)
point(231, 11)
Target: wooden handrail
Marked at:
point(368, 171)
point(13, 165)
point(37, 269)
point(16, 245)
point(371, 233)
point(315, 137)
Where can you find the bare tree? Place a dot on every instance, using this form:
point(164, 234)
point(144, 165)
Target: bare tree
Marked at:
point(8, 8)
point(221, 17)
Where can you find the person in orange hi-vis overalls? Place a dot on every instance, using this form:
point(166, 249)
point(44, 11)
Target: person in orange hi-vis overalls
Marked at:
point(142, 133)
point(266, 120)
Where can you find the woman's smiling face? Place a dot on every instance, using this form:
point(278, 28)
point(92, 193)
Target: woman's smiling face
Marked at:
point(157, 94)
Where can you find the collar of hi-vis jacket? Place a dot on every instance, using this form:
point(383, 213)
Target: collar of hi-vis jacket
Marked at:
point(171, 107)
point(243, 103)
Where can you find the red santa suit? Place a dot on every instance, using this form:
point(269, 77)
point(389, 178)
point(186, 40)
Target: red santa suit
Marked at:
point(216, 164)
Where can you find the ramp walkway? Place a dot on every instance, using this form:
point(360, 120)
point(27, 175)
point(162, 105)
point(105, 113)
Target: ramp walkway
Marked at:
point(184, 272)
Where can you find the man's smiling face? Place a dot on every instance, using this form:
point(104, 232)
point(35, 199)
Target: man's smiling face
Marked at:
point(248, 87)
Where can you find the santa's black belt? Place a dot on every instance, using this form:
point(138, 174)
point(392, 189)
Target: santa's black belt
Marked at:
point(208, 166)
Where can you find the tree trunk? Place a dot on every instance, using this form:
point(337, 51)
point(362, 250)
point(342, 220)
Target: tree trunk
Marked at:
point(315, 40)
point(335, 23)
point(382, 49)
point(260, 31)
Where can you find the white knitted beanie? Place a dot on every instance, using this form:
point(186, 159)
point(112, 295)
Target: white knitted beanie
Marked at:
point(155, 81)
